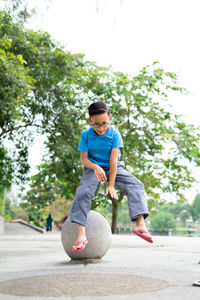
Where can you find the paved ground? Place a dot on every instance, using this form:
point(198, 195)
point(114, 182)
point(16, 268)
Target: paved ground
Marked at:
point(34, 266)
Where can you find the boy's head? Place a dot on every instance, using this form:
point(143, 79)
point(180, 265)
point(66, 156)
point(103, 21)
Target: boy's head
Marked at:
point(99, 117)
point(98, 108)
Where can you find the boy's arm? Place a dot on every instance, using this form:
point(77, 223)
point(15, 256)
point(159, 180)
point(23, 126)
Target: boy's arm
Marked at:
point(113, 170)
point(99, 172)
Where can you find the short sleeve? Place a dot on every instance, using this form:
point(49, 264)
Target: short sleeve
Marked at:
point(83, 145)
point(117, 140)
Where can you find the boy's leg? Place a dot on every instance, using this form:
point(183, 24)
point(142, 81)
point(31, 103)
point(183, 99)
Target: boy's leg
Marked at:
point(82, 203)
point(135, 191)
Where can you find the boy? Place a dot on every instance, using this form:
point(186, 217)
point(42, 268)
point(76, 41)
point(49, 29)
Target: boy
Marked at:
point(99, 148)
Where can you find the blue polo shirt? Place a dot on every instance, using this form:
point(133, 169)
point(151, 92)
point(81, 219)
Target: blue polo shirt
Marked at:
point(99, 147)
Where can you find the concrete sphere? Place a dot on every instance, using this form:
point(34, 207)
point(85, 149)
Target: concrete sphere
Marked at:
point(98, 234)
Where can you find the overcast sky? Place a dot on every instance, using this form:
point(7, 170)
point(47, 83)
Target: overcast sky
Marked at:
point(129, 34)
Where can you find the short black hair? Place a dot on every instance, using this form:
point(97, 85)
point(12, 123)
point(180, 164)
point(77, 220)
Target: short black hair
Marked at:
point(98, 108)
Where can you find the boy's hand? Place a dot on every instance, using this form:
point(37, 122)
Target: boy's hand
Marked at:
point(100, 174)
point(112, 192)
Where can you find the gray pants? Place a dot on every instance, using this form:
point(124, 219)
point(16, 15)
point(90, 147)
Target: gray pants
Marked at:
point(125, 181)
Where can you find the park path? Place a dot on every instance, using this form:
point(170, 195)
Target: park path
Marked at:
point(35, 266)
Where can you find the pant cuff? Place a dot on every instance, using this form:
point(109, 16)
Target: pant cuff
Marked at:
point(145, 215)
point(78, 222)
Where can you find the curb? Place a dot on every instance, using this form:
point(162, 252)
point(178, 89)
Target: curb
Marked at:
point(41, 230)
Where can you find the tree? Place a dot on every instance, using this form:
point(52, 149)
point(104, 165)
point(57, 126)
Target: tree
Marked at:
point(5, 177)
point(147, 129)
point(163, 222)
point(17, 212)
point(2, 202)
point(58, 88)
point(138, 107)
point(196, 208)
point(157, 144)
point(14, 90)
point(34, 71)
point(59, 209)
point(181, 210)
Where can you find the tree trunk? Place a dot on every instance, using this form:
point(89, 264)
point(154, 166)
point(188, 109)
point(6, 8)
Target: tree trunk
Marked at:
point(115, 203)
point(114, 215)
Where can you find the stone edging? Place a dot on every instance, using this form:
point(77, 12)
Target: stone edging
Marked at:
point(41, 230)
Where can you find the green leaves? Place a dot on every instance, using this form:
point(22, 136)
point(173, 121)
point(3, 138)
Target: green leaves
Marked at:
point(196, 208)
point(163, 222)
point(6, 169)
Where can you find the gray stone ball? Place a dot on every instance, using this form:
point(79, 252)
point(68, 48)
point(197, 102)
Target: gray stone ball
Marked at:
point(98, 234)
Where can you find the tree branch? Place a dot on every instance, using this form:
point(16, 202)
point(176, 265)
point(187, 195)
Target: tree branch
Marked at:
point(5, 131)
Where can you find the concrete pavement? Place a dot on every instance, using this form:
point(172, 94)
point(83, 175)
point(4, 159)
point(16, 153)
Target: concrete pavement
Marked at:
point(35, 266)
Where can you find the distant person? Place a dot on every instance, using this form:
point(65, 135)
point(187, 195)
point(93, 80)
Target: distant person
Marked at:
point(65, 218)
point(99, 148)
point(49, 222)
point(60, 224)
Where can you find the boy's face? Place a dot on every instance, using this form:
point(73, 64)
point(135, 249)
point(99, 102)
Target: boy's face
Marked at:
point(100, 123)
